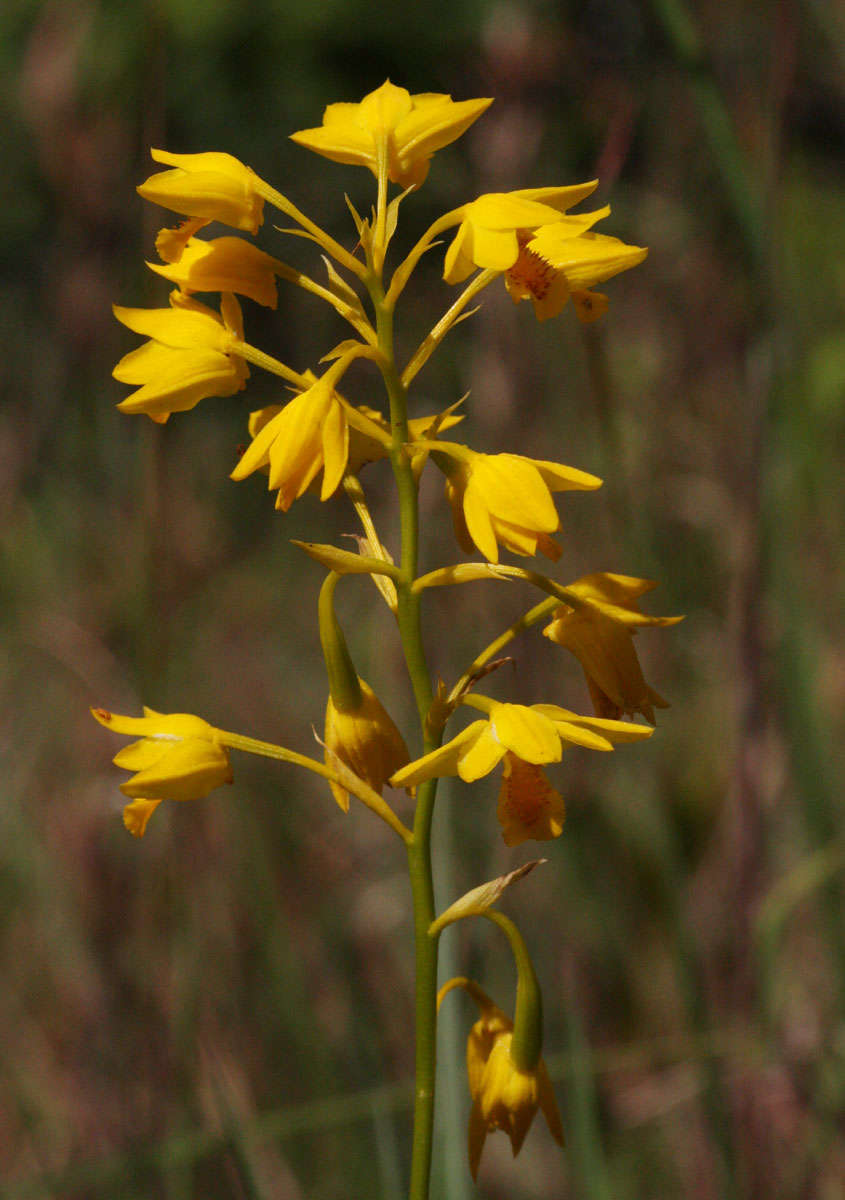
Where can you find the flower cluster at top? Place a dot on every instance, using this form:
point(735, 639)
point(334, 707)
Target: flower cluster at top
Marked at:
point(318, 442)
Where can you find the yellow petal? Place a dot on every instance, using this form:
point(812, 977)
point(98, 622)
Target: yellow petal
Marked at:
point(481, 755)
point(188, 771)
point(257, 452)
point(213, 186)
point(548, 1104)
point(137, 814)
point(181, 328)
point(335, 437)
point(559, 478)
point(434, 122)
point(226, 264)
point(440, 762)
point(529, 734)
point(477, 1135)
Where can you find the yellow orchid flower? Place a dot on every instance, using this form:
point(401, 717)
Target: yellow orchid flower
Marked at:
point(409, 127)
point(489, 233)
point(601, 638)
point(534, 733)
point(366, 740)
point(213, 186)
point(310, 434)
point(225, 264)
point(178, 757)
point(506, 1098)
point(554, 265)
point(503, 1096)
point(188, 358)
point(505, 499)
point(528, 808)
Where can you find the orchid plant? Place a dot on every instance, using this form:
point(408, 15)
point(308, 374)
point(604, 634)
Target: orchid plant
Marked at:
point(318, 442)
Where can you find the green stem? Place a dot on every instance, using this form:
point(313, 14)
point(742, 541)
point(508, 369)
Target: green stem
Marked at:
point(419, 847)
point(544, 609)
point(528, 1010)
point(429, 344)
point(319, 235)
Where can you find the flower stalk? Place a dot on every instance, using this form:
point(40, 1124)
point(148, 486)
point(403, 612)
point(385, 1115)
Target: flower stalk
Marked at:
point(317, 443)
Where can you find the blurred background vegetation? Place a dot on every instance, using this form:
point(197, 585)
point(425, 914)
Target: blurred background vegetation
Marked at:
point(223, 1009)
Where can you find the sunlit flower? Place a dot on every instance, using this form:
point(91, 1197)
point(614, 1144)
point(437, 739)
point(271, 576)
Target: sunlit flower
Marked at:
point(489, 233)
point(506, 499)
point(529, 808)
point(213, 186)
point(225, 264)
point(366, 740)
point(601, 638)
point(189, 355)
point(178, 757)
point(310, 434)
point(534, 733)
point(554, 265)
point(411, 128)
point(503, 1096)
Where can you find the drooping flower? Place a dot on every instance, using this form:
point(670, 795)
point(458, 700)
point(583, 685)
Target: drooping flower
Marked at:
point(178, 757)
point(503, 1096)
point(600, 636)
point(189, 356)
point(310, 434)
point(213, 186)
point(553, 266)
point(410, 127)
point(225, 264)
point(506, 499)
point(534, 733)
point(489, 233)
point(366, 740)
point(529, 808)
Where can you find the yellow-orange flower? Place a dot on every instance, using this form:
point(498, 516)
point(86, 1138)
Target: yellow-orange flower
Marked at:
point(491, 226)
point(225, 264)
point(554, 265)
point(409, 127)
point(310, 434)
point(366, 740)
point(189, 357)
point(178, 757)
point(506, 499)
point(503, 1096)
point(534, 733)
point(600, 635)
point(212, 186)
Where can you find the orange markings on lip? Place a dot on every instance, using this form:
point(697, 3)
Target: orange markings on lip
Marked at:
point(102, 713)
